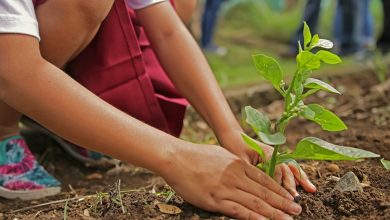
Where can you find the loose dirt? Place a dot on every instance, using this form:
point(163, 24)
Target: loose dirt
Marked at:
point(364, 107)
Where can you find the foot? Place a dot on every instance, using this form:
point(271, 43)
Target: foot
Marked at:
point(20, 175)
point(214, 49)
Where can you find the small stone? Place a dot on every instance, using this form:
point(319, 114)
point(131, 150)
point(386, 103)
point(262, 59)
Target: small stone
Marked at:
point(94, 176)
point(333, 168)
point(86, 212)
point(349, 183)
point(333, 178)
point(168, 209)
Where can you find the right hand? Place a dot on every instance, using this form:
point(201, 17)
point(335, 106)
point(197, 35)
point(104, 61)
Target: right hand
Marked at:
point(212, 178)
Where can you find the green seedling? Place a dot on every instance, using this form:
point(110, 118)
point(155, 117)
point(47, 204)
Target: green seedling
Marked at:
point(116, 196)
point(300, 87)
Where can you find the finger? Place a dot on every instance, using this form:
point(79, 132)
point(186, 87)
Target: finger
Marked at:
point(278, 175)
point(260, 206)
point(289, 180)
point(238, 211)
point(302, 178)
point(270, 197)
point(267, 182)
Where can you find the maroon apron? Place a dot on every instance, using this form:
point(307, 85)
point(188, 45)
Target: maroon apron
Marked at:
point(120, 67)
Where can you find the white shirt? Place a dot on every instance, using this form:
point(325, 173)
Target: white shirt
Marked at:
point(18, 16)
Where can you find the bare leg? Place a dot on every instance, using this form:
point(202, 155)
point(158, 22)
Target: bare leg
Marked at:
point(66, 28)
point(9, 119)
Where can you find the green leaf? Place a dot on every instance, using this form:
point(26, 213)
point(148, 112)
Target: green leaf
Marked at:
point(327, 119)
point(270, 69)
point(261, 125)
point(311, 83)
point(260, 166)
point(257, 120)
point(312, 148)
point(308, 61)
point(309, 93)
point(253, 145)
point(272, 139)
point(308, 113)
point(314, 40)
point(385, 163)
point(328, 57)
point(298, 84)
point(306, 35)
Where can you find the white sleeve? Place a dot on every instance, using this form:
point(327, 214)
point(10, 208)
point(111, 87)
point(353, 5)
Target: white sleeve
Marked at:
point(18, 16)
point(139, 4)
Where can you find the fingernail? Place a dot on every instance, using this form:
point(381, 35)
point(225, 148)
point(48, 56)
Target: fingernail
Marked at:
point(296, 209)
point(297, 198)
point(312, 185)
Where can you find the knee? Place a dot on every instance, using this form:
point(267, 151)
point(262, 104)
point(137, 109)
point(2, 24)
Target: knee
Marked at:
point(94, 11)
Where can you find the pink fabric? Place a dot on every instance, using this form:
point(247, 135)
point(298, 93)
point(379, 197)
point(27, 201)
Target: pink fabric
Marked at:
point(38, 2)
point(26, 164)
point(120, 66)
point(22, 185)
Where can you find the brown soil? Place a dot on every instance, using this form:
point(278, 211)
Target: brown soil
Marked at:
point(364, 107)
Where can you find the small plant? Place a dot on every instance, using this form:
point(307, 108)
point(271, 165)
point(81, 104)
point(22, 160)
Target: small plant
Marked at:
point(301, 87)
point(115, 196)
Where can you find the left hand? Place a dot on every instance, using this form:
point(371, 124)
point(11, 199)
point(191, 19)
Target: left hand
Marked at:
point(288, 175)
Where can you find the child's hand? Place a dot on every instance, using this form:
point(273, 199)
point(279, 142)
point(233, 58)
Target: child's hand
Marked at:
point(214, 179)
point(287, 175)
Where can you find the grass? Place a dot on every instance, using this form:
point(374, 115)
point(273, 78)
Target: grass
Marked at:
point(248, 27)
point(66, 210)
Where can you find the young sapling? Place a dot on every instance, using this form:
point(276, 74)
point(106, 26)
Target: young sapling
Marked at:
point(300, 87)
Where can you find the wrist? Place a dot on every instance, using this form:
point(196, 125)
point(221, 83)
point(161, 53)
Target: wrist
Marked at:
point(168, 157)
point(228, 137)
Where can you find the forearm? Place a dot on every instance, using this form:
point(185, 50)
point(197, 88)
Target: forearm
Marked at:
point(185, 9)
point(46, 94)
point(187, 67)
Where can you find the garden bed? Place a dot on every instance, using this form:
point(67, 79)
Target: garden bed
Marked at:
point(364, 107)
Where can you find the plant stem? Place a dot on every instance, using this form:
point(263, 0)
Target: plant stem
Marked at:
point(273, 161)
point(120, 197)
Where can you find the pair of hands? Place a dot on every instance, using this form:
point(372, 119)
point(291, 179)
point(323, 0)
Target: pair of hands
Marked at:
point(215, 179)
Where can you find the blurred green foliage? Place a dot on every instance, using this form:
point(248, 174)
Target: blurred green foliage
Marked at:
point(249, 27)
